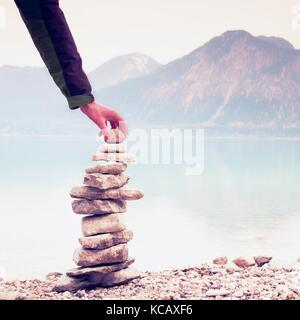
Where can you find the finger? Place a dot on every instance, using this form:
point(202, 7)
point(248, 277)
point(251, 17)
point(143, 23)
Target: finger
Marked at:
point(122, 125)
point(103, 129)
point(108, 124)
point(117, 121)
point(113, 124)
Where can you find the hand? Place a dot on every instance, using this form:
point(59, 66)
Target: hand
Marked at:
point(101, 116)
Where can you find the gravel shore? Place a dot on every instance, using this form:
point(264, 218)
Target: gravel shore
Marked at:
point(203, 282)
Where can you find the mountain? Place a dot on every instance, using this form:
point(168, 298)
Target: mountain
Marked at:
point(122, 68)
point(277, 41)
point(235, 80)
point(26, 98)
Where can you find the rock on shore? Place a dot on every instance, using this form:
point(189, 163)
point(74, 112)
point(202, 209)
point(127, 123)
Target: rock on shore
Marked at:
point(98, 207)
point(110, 223)
point(105, 181)
point(86, 258)
point(91, 193)
point(200, 283)
point(106, 240)
point(103, 258)
point(107, 168)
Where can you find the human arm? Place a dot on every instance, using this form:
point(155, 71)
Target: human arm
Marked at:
point(52, 37)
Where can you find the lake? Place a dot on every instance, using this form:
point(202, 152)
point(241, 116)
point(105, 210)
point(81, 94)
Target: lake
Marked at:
point(246, 202)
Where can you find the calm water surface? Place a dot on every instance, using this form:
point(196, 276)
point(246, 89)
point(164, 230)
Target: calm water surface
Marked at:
point(246, 202)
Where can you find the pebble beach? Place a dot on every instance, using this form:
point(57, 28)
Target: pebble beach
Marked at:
point(204, 282)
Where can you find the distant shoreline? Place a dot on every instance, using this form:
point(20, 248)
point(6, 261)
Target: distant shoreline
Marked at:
point(45, 136)
point(208, 137)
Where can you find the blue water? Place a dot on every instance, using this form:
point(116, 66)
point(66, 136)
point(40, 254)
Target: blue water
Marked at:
point(246, 202)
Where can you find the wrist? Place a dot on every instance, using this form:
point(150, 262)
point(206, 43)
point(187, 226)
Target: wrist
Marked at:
point(84, 108)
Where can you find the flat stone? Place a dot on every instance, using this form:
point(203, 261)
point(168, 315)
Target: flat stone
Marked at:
point(93, 225)
point(92, 193)
point(124, 194)
point(120, 277)
point(87, 258)
point(243, 262)
point(221, 261)
point(53, 275)
point(262, 260)
point(115, 136)
point(70, 284)
point(96, 207)
point(98, 270)
point(105, 181)
point(112, 148)
point(106, 240)
point(93, 280)
point(109, 167)
point(118, 157)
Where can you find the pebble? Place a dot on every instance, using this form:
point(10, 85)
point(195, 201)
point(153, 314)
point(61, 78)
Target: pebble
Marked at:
point(243, 262)
point(67, 294)
point(295, 289)
point(193, 283)
point(262, 260)
point(238, 294)
point(220, 261)
point(217, 292)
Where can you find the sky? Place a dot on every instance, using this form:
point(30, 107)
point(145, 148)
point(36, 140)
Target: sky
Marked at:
point(163, 29)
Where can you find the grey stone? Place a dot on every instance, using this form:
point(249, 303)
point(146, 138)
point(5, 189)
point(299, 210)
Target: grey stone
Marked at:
point(115, 136)
point(92, 193)
point(118, 157)
point(105, 181)
point(70, 284)
point(124, 194)
point(120, 277)
point(262, 260)
point(98, 270)
point(53, 275)
point(73, 284)
point(92, 225)
point(98, 207)
point(221, 261)
point(87, 258)
point(106, 240)
point(112, 148)
point(109, 167)
point(217, 292)
point(243, 262)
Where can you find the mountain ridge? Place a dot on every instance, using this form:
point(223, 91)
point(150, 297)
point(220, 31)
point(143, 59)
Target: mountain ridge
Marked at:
point(235, 81)
point(122, 68)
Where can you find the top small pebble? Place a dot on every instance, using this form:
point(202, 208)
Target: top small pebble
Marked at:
point(115, 136)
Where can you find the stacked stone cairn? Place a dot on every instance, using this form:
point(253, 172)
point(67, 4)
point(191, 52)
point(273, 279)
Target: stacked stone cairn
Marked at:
point(103, 258)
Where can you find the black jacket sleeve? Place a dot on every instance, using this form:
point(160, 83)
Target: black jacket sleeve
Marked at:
point(52, 37)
